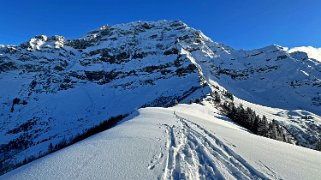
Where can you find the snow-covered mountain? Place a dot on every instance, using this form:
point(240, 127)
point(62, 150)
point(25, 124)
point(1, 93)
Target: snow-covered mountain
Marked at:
point(55, 89)
point(312, 52)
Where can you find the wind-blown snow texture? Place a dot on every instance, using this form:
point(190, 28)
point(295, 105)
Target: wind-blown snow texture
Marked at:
point(312, 52)
point(57, 88)
point(184, 142)
point(65, 87)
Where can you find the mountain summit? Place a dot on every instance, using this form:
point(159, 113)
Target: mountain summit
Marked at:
point(55, 90)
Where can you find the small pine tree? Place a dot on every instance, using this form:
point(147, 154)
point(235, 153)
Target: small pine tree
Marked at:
point(256, 124)
point(318, 146)
point(175, 102)
point(263, 127)
point(273, 130)
point(229, 95)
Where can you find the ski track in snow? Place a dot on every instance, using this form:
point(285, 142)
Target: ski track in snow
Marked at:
point(185, 142)
point(195, 153)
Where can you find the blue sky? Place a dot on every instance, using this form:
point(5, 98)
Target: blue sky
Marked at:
point(243, 24)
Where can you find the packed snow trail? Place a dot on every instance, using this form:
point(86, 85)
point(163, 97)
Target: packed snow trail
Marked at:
point(195, 153)
point(183, 142)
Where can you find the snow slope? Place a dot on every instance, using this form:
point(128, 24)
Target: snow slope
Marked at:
point(312, 52)
point(57, 88)
point(280, 85)
point(268, 76)
point(186, 141)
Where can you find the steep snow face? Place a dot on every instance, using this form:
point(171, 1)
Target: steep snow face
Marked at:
point(183, 142)
point(269, 76)
point(57, 88)
point(311, 52)
point(265, 78)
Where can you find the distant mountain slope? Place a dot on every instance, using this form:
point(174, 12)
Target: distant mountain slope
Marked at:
point(311, 52)
point(184, 142)
point(280, 85)
point(269, 76)
point(58, 89)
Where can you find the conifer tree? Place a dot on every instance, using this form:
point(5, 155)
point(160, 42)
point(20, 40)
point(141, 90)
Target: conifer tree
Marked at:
point(263, 127)
point(318, 146)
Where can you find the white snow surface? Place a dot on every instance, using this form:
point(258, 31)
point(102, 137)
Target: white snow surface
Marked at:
point(68, 86)
point(184, 142)
point(312, 52)
point(65, 91)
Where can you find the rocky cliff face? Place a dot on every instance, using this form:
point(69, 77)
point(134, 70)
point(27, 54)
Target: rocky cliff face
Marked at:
point(270, 76)
point(283, 85)
point(54, 89)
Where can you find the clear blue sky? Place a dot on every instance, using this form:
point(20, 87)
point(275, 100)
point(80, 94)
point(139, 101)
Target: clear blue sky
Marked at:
point(239, 23)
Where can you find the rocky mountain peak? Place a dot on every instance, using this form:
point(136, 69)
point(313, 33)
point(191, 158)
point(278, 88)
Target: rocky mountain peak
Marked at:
point(43, 41)
point(57, 87)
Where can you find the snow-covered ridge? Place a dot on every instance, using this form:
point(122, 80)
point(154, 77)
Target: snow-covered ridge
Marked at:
point(269, 76)
point(42, 41)
point(183, 142)
point(312, 52)
point(57, 88)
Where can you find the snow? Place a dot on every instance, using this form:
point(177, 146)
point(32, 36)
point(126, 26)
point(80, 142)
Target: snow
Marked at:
point(262, 76)
point(186, 141)
point(312, 52)
point(64, 113)
point(36, 43)
point(280, 84)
